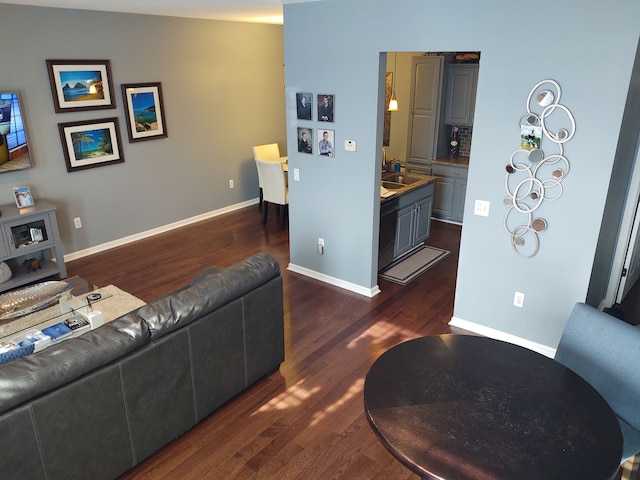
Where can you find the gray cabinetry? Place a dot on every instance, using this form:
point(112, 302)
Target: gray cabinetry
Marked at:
point(30, 233)
point(425, 116)
point(450, 191)
point(462, 82)
point(414, 219)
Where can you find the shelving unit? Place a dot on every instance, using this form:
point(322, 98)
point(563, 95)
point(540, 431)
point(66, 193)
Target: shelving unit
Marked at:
point(30, 233)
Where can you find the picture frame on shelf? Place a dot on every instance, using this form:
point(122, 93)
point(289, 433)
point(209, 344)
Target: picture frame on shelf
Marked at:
point(81, 85)
point(23, 197)
point(144, 111)
point(91, 143)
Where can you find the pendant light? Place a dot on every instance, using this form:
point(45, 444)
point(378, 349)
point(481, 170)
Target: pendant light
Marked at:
point(393, 103)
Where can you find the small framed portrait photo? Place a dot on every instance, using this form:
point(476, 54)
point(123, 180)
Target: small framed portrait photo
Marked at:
point(326, 105)
point(326, 142)
point(303, 105)
point(23, 197)
point(305, 140)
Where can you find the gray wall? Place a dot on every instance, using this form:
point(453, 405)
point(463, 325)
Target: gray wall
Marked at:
point(223, 92)
point(334, 47)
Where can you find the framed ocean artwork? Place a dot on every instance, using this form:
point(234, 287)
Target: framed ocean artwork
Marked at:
point(144, 111)
point(81, 85)
point(91, 143)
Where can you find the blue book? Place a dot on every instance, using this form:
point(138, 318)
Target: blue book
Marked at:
point(57, 332)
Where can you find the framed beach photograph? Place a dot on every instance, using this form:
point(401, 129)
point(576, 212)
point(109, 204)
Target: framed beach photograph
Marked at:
point(23, 196)
point(81, 85)
point(144, 111)
point(91, 143)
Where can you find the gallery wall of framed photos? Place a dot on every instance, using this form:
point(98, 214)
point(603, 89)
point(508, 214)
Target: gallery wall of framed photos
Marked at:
point(314, 137)
point(80, 85)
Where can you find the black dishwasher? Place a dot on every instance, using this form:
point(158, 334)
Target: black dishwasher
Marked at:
point(388, 220)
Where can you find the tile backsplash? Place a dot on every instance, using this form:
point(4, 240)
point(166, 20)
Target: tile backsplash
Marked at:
point(465, 134)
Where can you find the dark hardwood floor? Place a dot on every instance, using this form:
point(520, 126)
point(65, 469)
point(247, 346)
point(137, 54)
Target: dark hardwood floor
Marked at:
point(307, 419)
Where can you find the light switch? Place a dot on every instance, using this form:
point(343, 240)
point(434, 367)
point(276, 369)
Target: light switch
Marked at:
point(481, 208)
point(296, 174)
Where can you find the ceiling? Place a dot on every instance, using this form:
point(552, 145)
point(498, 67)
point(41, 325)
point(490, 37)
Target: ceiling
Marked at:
point(257, 11)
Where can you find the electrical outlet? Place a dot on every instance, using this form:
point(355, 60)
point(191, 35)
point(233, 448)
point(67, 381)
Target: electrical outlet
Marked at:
point(77, 222)
point(231, 183)
point(518, 300)
point(320, 246)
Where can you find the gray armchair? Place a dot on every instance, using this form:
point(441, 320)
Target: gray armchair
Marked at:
point(605, 351)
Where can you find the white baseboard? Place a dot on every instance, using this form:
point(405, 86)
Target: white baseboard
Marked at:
point(500, 335)
point(352, 287)
point(155, 231)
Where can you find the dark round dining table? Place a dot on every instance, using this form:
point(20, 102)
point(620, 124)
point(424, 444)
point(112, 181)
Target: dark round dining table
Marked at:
point(469, 407)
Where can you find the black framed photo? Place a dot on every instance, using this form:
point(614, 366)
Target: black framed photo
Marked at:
point(303, 105)
point(81, 85)
point(91, 143)
point(305, 140)
point(144, 111)
point(326, 105)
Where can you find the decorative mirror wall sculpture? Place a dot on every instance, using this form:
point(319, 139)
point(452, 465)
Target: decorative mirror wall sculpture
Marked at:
point(533, 175)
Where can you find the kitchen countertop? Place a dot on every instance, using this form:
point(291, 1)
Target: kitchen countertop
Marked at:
point(458, 162)
point(424, 180)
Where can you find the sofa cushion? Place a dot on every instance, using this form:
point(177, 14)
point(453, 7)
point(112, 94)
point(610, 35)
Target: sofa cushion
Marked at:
point(210, 290)
point(27, 377)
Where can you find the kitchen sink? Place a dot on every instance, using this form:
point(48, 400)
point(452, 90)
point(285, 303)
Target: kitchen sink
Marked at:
point(392, 185)
point(399, 178)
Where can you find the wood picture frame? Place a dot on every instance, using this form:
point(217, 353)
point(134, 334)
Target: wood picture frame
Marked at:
point(81, 85)
point(144, 111)
point(91, 143)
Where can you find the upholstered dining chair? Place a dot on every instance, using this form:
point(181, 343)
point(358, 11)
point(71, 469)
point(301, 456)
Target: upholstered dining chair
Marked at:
point(270, 152)
point(274, 188)
point(605, 351)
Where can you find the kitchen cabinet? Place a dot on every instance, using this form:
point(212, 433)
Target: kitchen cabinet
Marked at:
point(26, 234)
point(450, 191)
point(462, 83)
point(414, 219)
point(425, 112)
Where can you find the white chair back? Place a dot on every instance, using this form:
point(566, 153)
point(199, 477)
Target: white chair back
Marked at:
point(274, 186)
point(269, 151)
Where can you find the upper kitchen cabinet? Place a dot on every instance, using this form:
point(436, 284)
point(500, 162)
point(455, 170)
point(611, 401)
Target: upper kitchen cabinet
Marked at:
point(462, 82)
point(424, 118)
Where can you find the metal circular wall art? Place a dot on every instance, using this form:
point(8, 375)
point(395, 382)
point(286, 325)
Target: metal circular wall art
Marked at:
point(534, 177)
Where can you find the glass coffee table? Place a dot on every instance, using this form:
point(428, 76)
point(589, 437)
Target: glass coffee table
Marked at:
point(74, 308)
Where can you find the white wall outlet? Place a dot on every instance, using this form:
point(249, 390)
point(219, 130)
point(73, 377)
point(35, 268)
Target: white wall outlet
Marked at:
point(296, 174)
point(350, 145)
point(482, 208)
point(77, 222)
point(320, 246)
point(518, 300)
point(231, 183)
